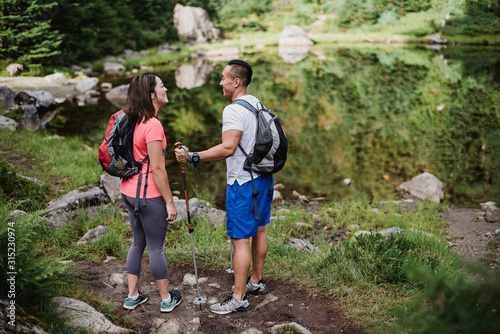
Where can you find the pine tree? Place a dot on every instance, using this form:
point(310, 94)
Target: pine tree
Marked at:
point(26, 35)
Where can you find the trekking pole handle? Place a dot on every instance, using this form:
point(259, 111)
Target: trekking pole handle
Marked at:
point(188, 157)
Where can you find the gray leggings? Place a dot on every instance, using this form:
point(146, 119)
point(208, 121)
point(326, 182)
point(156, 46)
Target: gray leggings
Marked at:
point(150, 231)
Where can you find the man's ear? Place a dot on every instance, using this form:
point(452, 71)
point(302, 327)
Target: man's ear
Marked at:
point(237, 82)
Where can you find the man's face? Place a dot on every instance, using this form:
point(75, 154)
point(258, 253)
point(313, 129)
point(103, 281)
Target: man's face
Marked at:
point(227, 82)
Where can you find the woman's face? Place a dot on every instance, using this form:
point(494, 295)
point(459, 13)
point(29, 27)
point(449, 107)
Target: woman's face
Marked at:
point(159, 97)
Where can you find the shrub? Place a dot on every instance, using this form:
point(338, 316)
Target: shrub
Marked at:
point(379, 258)
point(23, 259)
point(454, 303)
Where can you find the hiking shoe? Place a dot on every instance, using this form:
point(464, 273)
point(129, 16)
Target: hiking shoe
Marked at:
point(230, 305)
point(131, 304)
point(176, 299)
point(256, 289)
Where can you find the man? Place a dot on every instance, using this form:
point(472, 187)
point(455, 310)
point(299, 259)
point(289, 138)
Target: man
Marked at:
point(239, 128)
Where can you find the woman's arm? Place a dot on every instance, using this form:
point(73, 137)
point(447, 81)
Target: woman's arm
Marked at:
point(160, 177)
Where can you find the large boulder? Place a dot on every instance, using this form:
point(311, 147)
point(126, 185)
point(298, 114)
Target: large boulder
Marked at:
point(14, 69)
point(38, 98)
point(194, 24)
point(293, 44)
point(67, 207)
point(6, 98)
point(293, 35)
point(196, 75)
point(80, 314)
point(118, 96)
point(57, 78)
point(8, 123)
point(111, 185)
point(424, 186)
point(112, 68)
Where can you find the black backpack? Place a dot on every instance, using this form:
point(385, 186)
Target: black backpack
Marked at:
point(116, 154)
point(271, 145)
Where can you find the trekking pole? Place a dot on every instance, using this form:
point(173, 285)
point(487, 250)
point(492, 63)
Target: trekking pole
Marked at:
point(230, 270)
point(198, 300)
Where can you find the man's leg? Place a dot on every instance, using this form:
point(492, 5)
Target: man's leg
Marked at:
point(259, 252)
point(241, 262)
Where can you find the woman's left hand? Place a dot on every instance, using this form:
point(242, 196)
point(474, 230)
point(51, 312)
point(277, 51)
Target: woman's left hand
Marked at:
point(171, 211)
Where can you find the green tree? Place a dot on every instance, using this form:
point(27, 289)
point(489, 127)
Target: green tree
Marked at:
point(25, 31)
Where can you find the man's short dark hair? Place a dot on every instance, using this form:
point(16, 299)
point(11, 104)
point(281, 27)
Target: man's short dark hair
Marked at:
point(242, 70)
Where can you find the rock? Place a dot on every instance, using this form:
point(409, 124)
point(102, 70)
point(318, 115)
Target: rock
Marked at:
point(275, 329)
point(106, 86)
point(57, 78)
point(14, 69)
point(299, 197)
point(163, 326)
point(251, 331)
point(492, 212)
point(112, 68)
point(216, 217)
point(7, 123)
point(118, 96)
point(194, 205)
point(37, 98)
point(86, 85)
point(346, 182)
point(191, 279)
point(16, 214)
point(8, 318)
point(111, 185)
point(279, 187)
point(277, 197)
point(223, 54)
point(80, 314)
point(6, 98)
point(302, 244)
point(424, 186)
point(167, 48)
point(30, 119)
point(194, 24)
point(269, 299)
point(293, 35)
point(66, 207)
point(497, 232)
point(358, 233)
point(390, 231)
point(293, 44)
point(109, 259)
point(191, 76)
point(117, 278)
point(31, 179)
point(436, 39)
point(93, 234)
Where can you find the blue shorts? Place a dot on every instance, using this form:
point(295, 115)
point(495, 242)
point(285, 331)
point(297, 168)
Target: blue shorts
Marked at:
point(240, 221)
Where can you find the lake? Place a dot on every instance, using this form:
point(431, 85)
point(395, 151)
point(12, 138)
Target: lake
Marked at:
point(376, 114)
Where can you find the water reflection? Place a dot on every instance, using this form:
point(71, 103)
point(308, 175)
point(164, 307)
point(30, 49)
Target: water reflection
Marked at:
point(377, 115)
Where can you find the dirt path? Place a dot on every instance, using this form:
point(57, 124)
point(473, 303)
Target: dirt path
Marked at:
point(285, 302)
point(472, 237)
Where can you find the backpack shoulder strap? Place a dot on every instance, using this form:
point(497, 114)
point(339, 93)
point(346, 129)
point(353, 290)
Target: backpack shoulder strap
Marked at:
point(245, 104)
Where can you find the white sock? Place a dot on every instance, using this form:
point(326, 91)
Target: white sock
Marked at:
point(237, 299)
point(168, 300)
point(134, 297)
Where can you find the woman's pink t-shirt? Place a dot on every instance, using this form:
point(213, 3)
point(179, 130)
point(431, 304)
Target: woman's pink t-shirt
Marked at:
point(144, 134)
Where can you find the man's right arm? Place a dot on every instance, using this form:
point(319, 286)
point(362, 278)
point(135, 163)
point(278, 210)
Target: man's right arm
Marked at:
point(230, 141)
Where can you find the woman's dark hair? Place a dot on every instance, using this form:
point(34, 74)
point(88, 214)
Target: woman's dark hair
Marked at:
point(139, 102)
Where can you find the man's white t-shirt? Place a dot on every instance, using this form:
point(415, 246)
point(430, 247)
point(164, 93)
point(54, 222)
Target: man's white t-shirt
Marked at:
point(236, 117)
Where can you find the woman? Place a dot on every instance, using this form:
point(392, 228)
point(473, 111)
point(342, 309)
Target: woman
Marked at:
point(146, 95)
